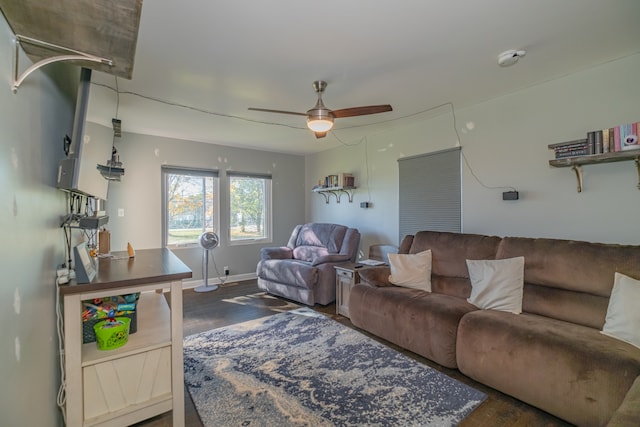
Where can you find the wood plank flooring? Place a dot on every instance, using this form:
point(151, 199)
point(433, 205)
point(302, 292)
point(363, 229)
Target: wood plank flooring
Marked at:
point(235, 303)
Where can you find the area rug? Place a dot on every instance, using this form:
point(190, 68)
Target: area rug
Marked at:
point(301, 368)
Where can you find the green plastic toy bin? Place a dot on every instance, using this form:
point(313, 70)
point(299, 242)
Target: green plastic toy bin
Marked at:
point(112, 333)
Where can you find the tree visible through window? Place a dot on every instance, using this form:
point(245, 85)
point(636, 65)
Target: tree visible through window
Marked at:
point(249, 206)
point(190, 204)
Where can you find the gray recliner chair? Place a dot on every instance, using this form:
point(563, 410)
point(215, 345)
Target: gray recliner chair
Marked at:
point(304, 270)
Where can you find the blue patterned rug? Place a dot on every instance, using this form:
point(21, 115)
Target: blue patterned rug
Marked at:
point(300, 368)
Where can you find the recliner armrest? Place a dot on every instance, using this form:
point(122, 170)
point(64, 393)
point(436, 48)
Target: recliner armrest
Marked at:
point(628, 414)
point(376, 276)
point(281, 252)
point(331, 258)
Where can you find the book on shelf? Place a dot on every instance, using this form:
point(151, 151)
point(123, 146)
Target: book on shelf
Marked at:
point(574, 153)
point(597, 142)
point(629, 137)
point(609, 140)
point(623, 137)
point(591, 142)
point(562, 145)
point(605, 141)
point(346, 180)
point(570, 148)
point(340, 180)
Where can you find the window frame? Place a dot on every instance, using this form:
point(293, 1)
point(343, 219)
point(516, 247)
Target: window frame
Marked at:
point(268, 208)
point(182, 170)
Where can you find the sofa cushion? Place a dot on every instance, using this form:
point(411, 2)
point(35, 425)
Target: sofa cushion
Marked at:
point(450, 251)
point(292, 272)
point(497, 284)
point(548, 363)
point(422, 322)
point(573, 279)
point(623, 314)
point(411, 270)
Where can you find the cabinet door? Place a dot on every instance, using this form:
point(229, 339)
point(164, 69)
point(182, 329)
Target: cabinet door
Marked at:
point(114, 385)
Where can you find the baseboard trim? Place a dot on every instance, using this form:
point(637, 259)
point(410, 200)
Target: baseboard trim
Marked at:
point(229, 281)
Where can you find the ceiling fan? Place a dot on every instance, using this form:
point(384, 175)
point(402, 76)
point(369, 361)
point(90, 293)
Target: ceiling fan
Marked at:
point(320, 118)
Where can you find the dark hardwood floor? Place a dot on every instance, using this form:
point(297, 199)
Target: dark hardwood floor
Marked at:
point(236, 303)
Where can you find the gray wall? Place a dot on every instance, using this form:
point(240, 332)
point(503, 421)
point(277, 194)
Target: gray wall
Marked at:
point(139, 194)
point(505, 143)
point(33, 123)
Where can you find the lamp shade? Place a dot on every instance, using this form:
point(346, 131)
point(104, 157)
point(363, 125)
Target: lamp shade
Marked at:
point(320, 118)
point(323, 124)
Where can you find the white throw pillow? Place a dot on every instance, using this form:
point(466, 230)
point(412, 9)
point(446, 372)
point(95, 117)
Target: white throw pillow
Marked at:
point(497, 284)
point(623, 316)
point(411, 270)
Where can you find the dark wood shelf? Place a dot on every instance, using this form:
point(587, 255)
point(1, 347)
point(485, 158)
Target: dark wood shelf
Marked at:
point(618, 156)
point(575, 163)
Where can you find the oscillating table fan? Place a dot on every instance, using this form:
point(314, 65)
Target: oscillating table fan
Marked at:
point(207, 240)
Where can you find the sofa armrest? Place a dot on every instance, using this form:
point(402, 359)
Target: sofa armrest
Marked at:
point(282, 252)
point(628, 414)
point(376, 276)
point(331, 258)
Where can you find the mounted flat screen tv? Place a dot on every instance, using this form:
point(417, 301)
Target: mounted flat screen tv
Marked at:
point(89, 147)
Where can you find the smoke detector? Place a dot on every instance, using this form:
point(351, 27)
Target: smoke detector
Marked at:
point(510, 57)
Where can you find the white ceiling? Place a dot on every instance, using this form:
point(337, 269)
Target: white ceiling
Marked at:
point(200, 64)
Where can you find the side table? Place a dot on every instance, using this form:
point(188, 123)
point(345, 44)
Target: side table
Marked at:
point(347, 275)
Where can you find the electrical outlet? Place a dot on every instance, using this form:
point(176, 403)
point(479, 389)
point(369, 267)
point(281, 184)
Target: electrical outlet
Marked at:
point(226, 270)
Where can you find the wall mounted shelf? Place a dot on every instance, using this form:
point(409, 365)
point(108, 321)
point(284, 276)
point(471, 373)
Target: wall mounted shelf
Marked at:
point(576, 163)
point(337, 192)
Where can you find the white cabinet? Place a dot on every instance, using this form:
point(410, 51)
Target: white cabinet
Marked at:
point(144, 377)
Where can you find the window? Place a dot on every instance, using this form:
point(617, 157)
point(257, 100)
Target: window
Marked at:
point(189, 205)
point(249, 207)
point(430, 192)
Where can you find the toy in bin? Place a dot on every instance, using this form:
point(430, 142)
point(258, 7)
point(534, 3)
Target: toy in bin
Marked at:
point(99, 309)
point(112, 333)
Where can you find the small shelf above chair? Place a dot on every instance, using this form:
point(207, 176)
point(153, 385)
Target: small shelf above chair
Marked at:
point(337, 192)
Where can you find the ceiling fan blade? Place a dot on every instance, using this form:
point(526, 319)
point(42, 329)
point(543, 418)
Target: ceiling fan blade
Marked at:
point(362, 111)
point(320, 134)
point(277, 111)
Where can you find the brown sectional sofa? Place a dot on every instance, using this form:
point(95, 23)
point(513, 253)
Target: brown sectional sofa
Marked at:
point(551, 356)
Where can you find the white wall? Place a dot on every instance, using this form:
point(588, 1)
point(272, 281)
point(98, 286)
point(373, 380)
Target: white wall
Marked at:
point(505, 142)
point(33, 123)
point(139, 194)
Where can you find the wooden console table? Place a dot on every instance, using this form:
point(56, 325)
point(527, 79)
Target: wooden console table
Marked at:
point(145, 377)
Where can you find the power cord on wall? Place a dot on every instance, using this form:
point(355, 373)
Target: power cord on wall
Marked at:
point(221, 278)
point(455, 129)
point(200, 110)
point(466, 161)
point(61, 398)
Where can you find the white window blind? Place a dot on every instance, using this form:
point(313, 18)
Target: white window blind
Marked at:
point(429, 194)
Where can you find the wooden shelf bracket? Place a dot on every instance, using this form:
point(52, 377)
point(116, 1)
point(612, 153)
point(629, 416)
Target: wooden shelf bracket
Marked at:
point(578, 171)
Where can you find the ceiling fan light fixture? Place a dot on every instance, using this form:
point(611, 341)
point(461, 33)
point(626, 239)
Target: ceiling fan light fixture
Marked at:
point(322, 124)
